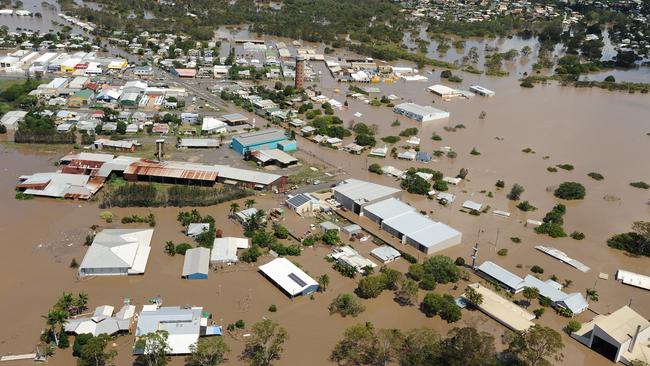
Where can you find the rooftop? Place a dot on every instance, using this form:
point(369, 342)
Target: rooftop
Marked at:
point(361, 191)
point(260, 137)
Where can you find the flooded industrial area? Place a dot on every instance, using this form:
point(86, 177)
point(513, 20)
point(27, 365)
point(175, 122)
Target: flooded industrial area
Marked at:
point(514, 136)
point(594, 130)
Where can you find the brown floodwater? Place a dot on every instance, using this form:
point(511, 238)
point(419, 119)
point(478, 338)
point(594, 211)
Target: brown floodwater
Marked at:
point(595, 130)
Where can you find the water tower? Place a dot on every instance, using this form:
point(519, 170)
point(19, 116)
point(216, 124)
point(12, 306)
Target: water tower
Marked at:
point(300, 72)
point(159, 149)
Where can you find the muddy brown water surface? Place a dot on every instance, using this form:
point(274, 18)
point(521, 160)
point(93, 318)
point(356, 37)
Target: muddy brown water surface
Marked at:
point(595, 130)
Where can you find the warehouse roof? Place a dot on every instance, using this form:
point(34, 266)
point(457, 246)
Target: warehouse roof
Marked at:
point(361, 191)
point(434, 234)
point(189, 142)
point(621, 324)
point(197, 260)
point(235, 117)
point(288, 276)
point(502, 275)
point(260, 137)
point(388, 208)
point(409, 223)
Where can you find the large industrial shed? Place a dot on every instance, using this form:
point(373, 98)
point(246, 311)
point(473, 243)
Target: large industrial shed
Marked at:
point(288, 277)
point(402, 221)
point(116, 252)
point(380, 211)
point(262, 140)
point(354, 194)
point(196, 264)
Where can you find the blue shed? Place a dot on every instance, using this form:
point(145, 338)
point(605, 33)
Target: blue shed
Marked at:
point(262, 140)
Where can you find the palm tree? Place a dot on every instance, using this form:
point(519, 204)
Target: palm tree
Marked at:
point(249, 203)
point(255, 221)
point(56, 318)
point(592, 294)
point(66, 301)
point(82, 301)
point(234, 207)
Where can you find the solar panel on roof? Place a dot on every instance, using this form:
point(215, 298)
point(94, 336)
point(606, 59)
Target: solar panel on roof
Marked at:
point(297, 280)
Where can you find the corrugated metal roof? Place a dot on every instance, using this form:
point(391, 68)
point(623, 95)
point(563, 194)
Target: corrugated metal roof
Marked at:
point(362, 191)
point(260, 137)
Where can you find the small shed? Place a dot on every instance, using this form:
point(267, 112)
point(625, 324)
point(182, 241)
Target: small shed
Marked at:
point(385, 253)
point(197, 264)
point(352, 229)
point(328, 225)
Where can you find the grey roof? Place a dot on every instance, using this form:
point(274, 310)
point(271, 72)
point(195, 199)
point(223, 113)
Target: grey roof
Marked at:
point(277, 155)
point(197, 260)
point(328, 225)
point(361, 191)
point(260, 137)
point(235, 117)
point(434, 234)
point(385, 253)
point(409, 222)
point(188, 142)
point(502, 275)
point(351, 229)
point(180, 323)
point(388, 208)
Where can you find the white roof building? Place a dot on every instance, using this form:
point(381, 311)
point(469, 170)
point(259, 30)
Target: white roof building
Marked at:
point(196, 229)
point(288, 277)
point(196, 264)
point(385, 253)
point(224, 250)
point(102, 321)
point(116, 252)
point(503, 310)
point(213, 125)
point(402, 221)
point(354, 194)
point(420, 113)
point(351, 257)
point(11, 119)
point(183, 325)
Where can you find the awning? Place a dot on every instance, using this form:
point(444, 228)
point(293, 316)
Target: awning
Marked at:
point(229, 181)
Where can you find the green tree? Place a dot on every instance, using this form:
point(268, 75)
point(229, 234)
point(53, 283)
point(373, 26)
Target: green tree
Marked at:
point(208, 352)
point(346, 304)
point(515, 192)
point(407, 292)
point(249, 203)
point(371, 286)
point(473, 296)
point(121, 127)
point(592, 294)
point(468, 347)
point(530, 293)
point(234, 207)
point(442, 268)
point(421, 346)
point(154, 348)
point(56, 319)
point(265, 344)
point(323, 281)
point(538, 346)
point(356, 347)
point(331, 237)
point(570, 191)
point(431, 304)
point(94, 352)
point(375, 168)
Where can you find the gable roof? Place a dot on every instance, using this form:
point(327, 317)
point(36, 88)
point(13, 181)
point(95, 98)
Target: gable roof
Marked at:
point(119, 248)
